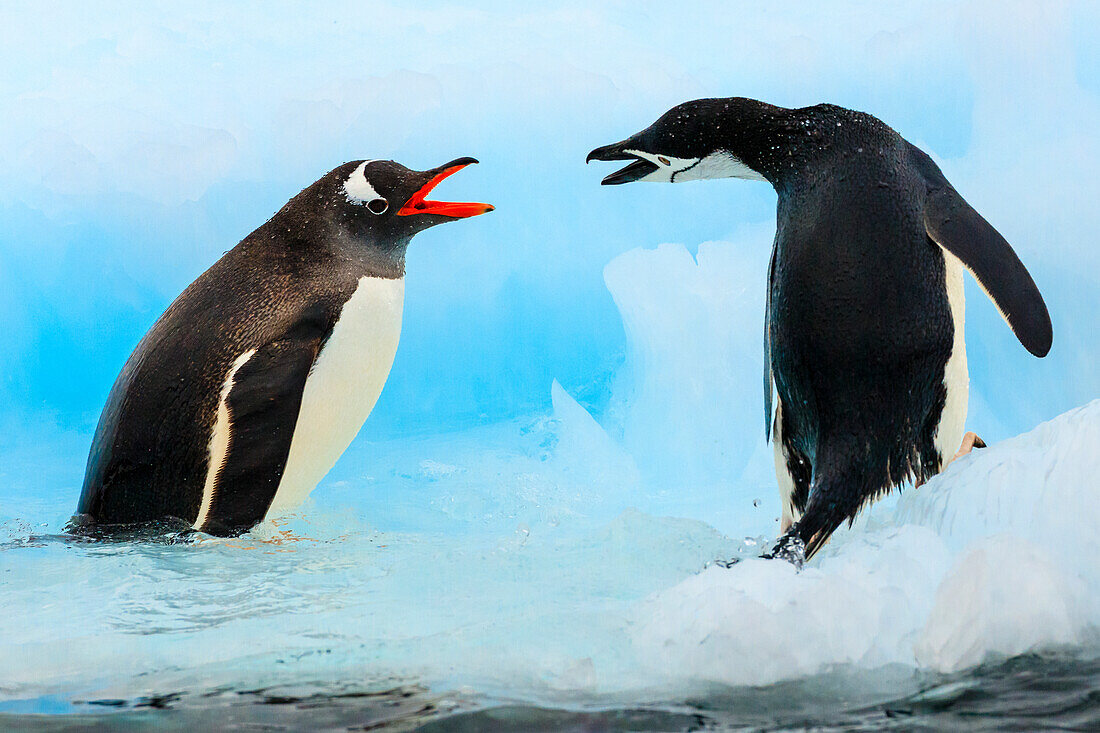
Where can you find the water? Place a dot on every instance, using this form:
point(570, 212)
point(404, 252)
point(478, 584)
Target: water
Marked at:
point(1026, 693)
point(504, 578)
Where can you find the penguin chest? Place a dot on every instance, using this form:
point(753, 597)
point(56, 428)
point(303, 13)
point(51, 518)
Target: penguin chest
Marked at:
point(956, 375)
point(343, 386)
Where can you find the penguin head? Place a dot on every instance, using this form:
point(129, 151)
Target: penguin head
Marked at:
point(705, 138)
point(383, 202)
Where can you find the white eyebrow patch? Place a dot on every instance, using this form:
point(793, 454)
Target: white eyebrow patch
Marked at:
point(357, 188)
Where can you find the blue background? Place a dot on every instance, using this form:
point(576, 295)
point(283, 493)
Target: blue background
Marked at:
point(141, 141)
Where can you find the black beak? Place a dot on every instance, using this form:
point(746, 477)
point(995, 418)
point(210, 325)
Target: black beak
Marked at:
point(639, 168)
point(610, 152)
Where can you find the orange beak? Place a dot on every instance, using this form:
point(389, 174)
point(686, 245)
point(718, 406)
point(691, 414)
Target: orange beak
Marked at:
point(458, 210)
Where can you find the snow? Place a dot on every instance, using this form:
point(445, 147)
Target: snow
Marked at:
point(1003, 596)
point(987, 559)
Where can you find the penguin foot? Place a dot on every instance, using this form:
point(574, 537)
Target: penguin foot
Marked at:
point(789, 547)
point(969, 442)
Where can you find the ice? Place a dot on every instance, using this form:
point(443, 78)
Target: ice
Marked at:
point(1006, 596)
point(992, 558)
point(694, 360)
point(491, 560)
point(762, 621)
point(1036, 486)
point(687, 404)
point(584, 449)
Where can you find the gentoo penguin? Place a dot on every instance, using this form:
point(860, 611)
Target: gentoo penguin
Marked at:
point(246, 391)
point(864, 325)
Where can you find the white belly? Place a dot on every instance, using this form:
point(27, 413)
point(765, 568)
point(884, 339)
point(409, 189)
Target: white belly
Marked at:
point(956, 376)
point(790, 513)
point(342, 387)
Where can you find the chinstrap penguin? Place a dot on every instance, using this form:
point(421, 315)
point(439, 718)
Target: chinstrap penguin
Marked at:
point(864, 325)
point(256, 379)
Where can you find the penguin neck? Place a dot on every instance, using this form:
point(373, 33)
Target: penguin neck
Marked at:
point(372, 256)
point(782, 144)
point(312, 236)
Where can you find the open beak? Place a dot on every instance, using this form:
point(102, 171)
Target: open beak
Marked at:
point(417, 204)
point(639, 168)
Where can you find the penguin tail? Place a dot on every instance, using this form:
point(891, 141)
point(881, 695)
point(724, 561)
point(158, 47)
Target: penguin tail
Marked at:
point(846, 478)
point(817, 541)
point(814, 530)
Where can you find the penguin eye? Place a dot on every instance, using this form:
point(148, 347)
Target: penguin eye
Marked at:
point(378, 206)
point(663, 159)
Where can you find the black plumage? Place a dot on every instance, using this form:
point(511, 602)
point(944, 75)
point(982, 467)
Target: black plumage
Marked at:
point(272, 301)
point(858, 328)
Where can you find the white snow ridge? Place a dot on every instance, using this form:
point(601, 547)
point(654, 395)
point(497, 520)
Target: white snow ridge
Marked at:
point(997, 556)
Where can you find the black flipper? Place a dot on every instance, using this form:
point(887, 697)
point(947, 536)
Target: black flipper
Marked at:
point(954, 225)
point(263, 403)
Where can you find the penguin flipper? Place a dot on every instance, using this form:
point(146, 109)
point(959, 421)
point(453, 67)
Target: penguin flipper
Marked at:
point(954, 225)
point(264, 402)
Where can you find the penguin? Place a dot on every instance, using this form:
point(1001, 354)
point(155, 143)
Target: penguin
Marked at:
point(246, 391)
point(864, 344)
